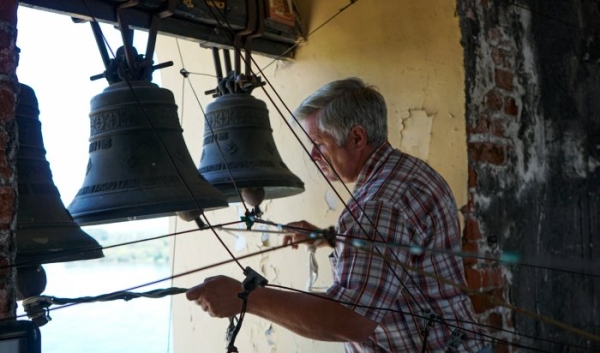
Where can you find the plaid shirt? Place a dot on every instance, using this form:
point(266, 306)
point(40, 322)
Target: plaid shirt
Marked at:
point(408, 203)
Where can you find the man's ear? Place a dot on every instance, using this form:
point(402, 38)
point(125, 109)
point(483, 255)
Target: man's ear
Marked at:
point(358, 136)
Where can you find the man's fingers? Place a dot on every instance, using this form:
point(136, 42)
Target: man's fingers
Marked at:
point(196, 291)
point(290, 239)
point(193, 293)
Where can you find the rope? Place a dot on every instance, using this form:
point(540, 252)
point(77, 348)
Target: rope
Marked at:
point(120, 295)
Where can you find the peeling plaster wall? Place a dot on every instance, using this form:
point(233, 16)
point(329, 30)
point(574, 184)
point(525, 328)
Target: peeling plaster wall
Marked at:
point(532, 81)
point(411, 51)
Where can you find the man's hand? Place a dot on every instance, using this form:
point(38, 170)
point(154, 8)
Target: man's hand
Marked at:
point(311, 316)
point(296, 237)
point(218, 296)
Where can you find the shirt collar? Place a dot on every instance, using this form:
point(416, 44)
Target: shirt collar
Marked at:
point(373, 163)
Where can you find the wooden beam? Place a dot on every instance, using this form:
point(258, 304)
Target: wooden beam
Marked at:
point(192, 20)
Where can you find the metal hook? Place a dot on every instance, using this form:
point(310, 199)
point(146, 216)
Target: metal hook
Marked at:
point(143, 67)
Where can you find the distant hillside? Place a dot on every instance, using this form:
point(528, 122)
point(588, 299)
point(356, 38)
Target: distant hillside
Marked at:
point(151, 251)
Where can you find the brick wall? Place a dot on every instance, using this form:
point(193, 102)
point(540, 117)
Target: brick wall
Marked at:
point(8, 185)
point(533, 123)
point(493, 107)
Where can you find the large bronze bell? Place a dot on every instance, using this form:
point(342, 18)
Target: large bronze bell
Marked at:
point(238, 144)
point(46, 233)
point(139, 166)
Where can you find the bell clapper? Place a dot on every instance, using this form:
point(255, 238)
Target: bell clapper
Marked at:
point(189, 216)
point(253, 196)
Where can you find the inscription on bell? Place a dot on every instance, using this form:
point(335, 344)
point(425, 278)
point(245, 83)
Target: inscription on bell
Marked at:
point(102, 144)
point(221, 136)
point(238, 165)
point(110, 119)
point(128, 184)
point(133, 117)
point(231, 148)
point(227, 117)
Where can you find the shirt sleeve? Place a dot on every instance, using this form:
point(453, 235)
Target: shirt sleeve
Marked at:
point(369, 279)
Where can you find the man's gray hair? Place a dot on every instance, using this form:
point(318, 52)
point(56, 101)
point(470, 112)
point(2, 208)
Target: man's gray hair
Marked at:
point(340, 105)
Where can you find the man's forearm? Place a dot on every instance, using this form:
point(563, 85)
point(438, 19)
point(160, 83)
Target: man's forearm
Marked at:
point(310, 316)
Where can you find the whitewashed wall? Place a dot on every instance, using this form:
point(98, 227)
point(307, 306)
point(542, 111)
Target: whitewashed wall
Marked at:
point(409, 49)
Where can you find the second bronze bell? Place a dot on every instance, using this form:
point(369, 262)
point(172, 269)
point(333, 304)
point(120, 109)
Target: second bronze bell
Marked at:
point(139, 165)
point(239, 154)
